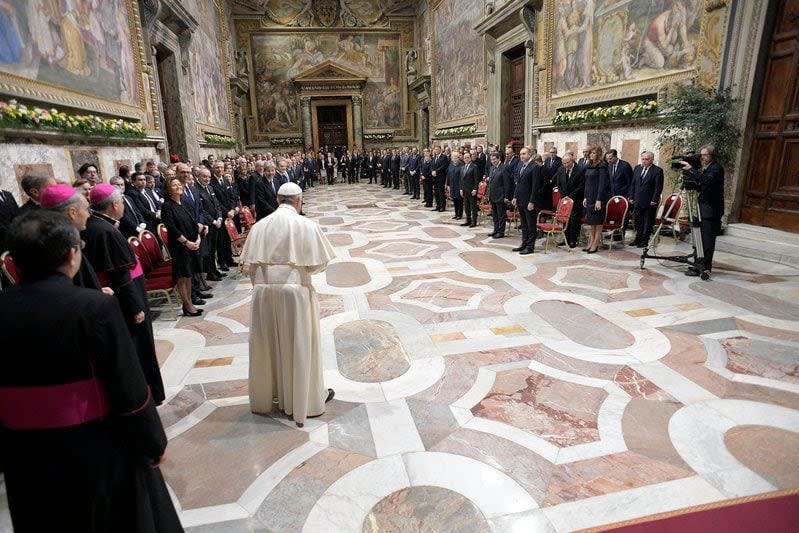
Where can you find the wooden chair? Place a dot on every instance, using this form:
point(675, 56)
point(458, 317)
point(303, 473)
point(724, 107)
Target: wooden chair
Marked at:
point(157, 285)
point(667, 215)
point(556, 223)
point(483, 201)
point(513, 218)
point(247, 218)
point(163, 236)
point(9, 269)
point(555, 202)
point(615, 213)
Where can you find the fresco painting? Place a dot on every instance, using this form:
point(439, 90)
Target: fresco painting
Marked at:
point(279, 58)
point(207, 65)
point(599, 43)
point(79, 45)
point(457, 44)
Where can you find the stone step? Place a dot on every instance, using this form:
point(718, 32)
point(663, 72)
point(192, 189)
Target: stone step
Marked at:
point(759, 248)
point(762, 233)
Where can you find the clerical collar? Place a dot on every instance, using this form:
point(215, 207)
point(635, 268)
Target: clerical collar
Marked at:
point(105, 217)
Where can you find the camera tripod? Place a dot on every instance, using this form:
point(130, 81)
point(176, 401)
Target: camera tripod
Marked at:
point(696, 259)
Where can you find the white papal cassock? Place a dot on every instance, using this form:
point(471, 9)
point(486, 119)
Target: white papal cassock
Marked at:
point(283, 250)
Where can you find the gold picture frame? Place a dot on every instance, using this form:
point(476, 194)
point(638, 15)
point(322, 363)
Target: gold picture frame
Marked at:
point(622, 88)
point(50, 94)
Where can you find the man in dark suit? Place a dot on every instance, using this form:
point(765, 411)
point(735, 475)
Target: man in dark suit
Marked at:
point(480, 159)
point(33, 185)
point(132, 222)
point(330, 168)
point(500, 192)
point(711, 202)
point(644, 196)
point(146, 207)
point(216, 213)
point(620, 173)
point(385, 169)
point(426, 178)
point(512, 163)
point(527, 199)
point(470, 179)
point(583, 161)
point(414, 164)
point(226, 197)
point(552, 163)
point(438, 170)
point(8, 211)
point(570, 179)
point(308, 169)
point(265, 192)
point(395, 169)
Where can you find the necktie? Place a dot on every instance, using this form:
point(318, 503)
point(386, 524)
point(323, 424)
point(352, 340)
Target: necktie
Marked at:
point(150, 201)
point(272, 184)
point(643, 174)
point(2, 198)
point(188, 191)
point(568, 175)
point(613, 171)
point(132, 210)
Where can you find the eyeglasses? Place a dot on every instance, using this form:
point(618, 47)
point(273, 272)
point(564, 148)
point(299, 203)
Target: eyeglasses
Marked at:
point(80, 246)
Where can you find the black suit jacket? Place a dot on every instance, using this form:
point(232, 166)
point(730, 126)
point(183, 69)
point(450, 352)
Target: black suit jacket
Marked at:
point(210, 203)
point(470, 179)
point(500, 184)
point(620, 180)
point(644, 191)
point(131, 218)
point(481, 161)
point(572, 185)
point(265, 200)
point(439, 165)
point(711, 190)
point(551, 168)
point(529, 186)
point(143, 207)
point(222, 191)
point(8, 210)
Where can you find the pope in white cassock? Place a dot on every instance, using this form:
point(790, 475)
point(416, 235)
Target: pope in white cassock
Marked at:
point(283, 250)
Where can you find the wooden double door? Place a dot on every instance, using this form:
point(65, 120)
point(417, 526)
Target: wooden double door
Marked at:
point(332, 125)
point(771, 197)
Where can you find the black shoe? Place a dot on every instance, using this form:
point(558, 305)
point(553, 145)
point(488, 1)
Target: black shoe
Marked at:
point(330, 394)
point(212, 277)
point(224, 268)
point(592, 251)
point(492, 234)
point(640, 245)
point(466, 224)
point(498, 236)
point(204, 295)
point(472, 225)
point(198, 301)
point(454, 218)
point(518, 249)
point(526, 252)
point(186, 312)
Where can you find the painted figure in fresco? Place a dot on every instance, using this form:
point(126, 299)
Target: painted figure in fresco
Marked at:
point(10, 42)
point(307, 56)
point(74, 59)
point(586, 40)
point(666, 43)
point(625, 66)
point(43, 14)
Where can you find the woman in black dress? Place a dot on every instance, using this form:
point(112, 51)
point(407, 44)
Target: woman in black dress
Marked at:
point(597, 192)
point(184, 242)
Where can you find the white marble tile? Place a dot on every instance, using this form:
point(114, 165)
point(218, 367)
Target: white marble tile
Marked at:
point(738, 482)
point(671, 381)
point(633, 503)
point(346, 502)
point(536, 444)
point(348, 390)
point(190, 420)
point(480, 388)
point(611, 438)
point(393, 428)
point(422, 374)
point(212, 515)
point(527, 522)
point(492, 491)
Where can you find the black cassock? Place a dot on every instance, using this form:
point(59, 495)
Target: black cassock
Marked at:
point(78, 426)
point(117, 267)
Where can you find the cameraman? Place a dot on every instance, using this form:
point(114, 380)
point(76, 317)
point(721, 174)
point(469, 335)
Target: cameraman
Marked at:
point(710, 180)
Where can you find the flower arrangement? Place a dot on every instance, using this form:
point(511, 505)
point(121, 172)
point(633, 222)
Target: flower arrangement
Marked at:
point(457, 131)
point(594, 115)
point(224, 140)
point(378, 136)
point(16, 115)
point(286, 141)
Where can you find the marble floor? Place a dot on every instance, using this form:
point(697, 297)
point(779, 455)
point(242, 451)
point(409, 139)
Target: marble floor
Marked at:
point(480, 390)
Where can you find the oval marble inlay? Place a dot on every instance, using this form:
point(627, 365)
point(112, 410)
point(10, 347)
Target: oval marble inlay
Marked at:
point(347, 274)
point(339, 239)
point(487, 262)
point(369, 351)
point(769, 451)
point(423, 509)
point(438, 232)
point(582, 325)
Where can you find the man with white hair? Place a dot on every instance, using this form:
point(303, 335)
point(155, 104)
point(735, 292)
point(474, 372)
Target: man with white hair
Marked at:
point(282, 251)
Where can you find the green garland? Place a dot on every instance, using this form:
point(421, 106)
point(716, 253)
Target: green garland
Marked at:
point(378, 136)
point(224, 140)
point(286, 141)
point(457, 131)
point(16, 115)
point(600, 114)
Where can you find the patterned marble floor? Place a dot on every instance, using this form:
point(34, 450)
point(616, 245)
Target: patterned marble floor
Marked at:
point(480, 390)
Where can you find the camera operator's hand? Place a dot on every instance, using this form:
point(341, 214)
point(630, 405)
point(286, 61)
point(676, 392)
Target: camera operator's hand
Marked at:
point(686, 165)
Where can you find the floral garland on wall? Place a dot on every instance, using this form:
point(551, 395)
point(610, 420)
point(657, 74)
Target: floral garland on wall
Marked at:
point(456, 132)
point(600, 114)
point(286, 141)
point(19, 116)
point(224, 140)
point(378, 136)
